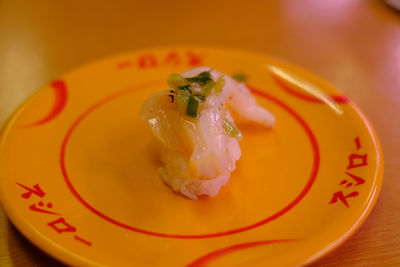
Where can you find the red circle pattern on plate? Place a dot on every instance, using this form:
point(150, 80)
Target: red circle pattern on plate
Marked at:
point(214, 255)
point(60, 100)
point(255, 91)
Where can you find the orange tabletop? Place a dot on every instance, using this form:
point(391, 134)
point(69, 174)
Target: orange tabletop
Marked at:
point(354, 45)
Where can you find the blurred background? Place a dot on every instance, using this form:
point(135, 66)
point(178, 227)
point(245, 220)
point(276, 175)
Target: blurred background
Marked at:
point(353, 44)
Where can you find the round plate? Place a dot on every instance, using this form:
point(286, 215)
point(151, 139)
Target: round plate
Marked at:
point(79, 173)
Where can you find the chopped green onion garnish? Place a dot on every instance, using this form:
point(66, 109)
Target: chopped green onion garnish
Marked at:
point(200, 97)
point(182, 99)
point(240, 76)
point(174, 80)
point(184, 87)
point(231, 129)
point(202, 78)
point(219, 85)
point(192, 107)
point(191, 91)
point(207, 89)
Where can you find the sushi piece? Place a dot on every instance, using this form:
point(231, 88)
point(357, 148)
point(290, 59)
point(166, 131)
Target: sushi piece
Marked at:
point(198, 136)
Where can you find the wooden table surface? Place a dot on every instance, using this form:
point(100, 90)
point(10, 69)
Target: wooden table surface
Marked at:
point(353, 44)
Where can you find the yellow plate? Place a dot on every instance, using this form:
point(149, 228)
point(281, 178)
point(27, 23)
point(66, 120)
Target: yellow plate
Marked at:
point(79, 174)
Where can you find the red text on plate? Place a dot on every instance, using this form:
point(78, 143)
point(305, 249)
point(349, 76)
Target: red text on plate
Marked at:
point(36, 190)
point(170, 58)
point(41, 204)
point(59, 225)
point(356, 160)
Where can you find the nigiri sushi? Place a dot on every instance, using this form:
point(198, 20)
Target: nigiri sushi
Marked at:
point(198, 136)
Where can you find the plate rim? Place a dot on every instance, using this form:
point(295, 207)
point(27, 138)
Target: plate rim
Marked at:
point(66, 256)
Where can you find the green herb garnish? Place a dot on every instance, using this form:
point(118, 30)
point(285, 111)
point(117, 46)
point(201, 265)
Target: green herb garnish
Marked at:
point(200, 97)
point(190, 92)
point(207, 89)
point(174, 80)
point(192, 107)
point(182, 100)
point(219, 84)
point(240, 76)
point(184, 87)
point(202, 78)
point(231, 129)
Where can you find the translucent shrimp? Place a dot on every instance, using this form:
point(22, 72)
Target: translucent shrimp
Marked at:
point(199, 140)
